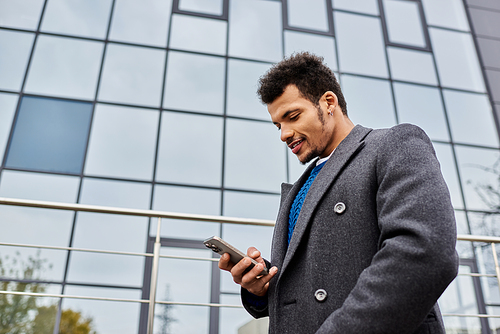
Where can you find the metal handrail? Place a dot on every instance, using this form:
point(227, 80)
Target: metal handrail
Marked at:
point(156, 255)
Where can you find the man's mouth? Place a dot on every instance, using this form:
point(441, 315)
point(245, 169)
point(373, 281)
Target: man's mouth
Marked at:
point(296, 145)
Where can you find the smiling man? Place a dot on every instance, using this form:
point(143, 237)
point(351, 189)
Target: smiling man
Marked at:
point(364, 240)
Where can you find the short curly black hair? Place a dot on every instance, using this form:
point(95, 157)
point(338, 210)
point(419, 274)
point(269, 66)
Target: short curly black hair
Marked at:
point(304, 70)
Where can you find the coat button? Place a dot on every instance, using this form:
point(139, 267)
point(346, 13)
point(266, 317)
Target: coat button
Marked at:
point(320, 295)
point(339, 208)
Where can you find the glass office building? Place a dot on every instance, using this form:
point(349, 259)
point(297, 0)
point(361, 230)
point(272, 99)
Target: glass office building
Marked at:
point(151, 104)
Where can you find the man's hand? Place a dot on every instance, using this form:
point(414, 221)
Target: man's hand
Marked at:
point(251, 280)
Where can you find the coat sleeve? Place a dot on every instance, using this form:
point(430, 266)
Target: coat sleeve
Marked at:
point(416, 257)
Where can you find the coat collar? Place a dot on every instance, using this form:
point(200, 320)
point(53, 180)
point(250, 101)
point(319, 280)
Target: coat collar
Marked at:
point(350, 146)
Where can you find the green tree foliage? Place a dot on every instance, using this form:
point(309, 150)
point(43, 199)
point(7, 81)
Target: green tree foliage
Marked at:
point(22, 314)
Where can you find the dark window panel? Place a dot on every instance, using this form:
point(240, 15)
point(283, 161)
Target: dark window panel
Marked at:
point(50, 135)
point(485, 22)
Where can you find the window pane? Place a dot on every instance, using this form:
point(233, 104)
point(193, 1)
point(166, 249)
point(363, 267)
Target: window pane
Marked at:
point(110, 232)
point(456, 59)
point(15, 48)
point(361, 6)
point(132, 75)
point(404, 24)
point(58, 61)
point(360, 94)
point(255, 157)
point(198, 34)
point(20, 14)
point(422, 106)
point(242, 100)
point(115, 193)
point(190, 149)
point(8, 104)
point(446, 14)
point(107, 316)
point(50, 135)
point(323, 46)
point(122, 142)
point(361, 45)
point(460, 298)
point(195, 82)
point(88, 18)
point(186, 200)
point(232, 320)
point(38, 186)
point(479, 171)
point(184, 281)
point(255, 30)
point(479, 129)
point(409, 65)
point(213, 7)
point(448, 168)
point(310, 14)
point(141, 22)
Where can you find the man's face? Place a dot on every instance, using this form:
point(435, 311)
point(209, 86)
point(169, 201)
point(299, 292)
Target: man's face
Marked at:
point(306, 128)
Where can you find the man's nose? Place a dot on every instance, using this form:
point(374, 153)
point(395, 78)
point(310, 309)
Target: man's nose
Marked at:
point(286, 134)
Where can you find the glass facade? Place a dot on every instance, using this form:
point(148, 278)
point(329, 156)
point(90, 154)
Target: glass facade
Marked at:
point(152, 104)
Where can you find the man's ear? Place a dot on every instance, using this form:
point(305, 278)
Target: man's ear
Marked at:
point(331, 100)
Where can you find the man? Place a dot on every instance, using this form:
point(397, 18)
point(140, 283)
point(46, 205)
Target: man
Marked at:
point(364, 241)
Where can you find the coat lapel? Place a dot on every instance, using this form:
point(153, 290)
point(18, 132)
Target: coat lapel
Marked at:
point(346, 150)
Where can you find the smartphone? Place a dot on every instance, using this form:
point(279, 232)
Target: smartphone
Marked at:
point(220, 246)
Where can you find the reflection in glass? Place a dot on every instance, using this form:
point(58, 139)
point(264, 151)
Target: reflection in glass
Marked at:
point(198, 34)
point(50, 135)
point(39, 186)
point(255, 30)
point(88, 18)
point(360, 44)
point(21, 14)
point(242, 100)
point(479, 129)
point(446, 14)
point(232, 319)
point(190, 149)
point(122, 142)
point(446, 160)
point(460, 298)
point(360, 94)
point(410, 65)
point(186, 200)
point(456, 59)
point(132, 75)
point(195, 82)
point(213, 7)
point(98, 268)
point(8, 103)
point(422, 106)
point(464, 248)
point(15, 48)
point(360, 6)
point(58, 61)
point(323, 46)
point(479, 170)
point(308, 14)
point(115, 193)
point(184, 281)
point(141, 22)
point(107, 316)
point(255, 156)
point(404, 24)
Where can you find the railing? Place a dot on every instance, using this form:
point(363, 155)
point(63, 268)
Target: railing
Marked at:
point(156, 253)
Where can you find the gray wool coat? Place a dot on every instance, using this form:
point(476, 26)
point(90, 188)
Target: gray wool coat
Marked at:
point(382, 258)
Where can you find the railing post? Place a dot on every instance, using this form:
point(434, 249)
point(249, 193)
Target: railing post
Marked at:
point(154, 279)
point(495, 258)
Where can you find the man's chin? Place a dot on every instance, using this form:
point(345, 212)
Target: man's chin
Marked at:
point(307, 158)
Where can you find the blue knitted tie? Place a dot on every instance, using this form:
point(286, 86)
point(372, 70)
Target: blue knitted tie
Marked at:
point(299, 200)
